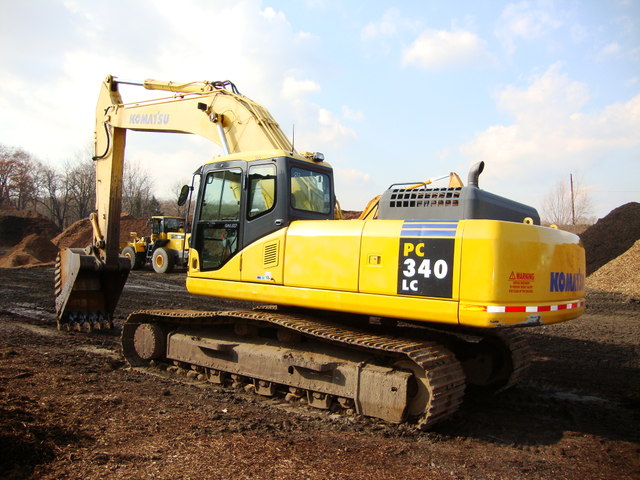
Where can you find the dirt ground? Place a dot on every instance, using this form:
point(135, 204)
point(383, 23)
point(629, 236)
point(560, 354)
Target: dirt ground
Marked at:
point(71, 409)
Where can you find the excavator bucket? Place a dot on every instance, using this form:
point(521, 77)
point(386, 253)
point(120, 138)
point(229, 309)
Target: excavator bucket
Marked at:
point(87, 290)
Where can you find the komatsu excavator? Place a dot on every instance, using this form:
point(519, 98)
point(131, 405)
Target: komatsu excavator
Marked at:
point(390, 316)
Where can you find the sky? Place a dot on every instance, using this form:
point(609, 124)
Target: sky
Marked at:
point(389, 92)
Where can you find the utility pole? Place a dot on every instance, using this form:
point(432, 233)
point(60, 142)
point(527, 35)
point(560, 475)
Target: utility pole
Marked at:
point(573, 203)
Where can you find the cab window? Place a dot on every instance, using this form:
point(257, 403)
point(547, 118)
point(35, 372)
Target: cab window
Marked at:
point(310, 191)
point(221, 199)
point(217, 237)
point(173, 225)
point(262, 189)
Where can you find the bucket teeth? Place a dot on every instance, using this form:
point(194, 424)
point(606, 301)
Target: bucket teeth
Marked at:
point(85, 322)
point(87, 289)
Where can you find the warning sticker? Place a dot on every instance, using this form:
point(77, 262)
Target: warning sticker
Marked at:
point(521, 282)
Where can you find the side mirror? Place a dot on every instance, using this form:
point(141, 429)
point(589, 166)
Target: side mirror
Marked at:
point(184, 194)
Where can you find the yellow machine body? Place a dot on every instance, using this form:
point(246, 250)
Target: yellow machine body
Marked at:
point(493, 273)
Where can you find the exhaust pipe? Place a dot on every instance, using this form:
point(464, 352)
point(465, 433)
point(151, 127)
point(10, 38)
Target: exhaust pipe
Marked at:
point(474, 173)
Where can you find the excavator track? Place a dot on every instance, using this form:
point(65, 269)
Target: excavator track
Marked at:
point(520, 356)
point(383, 376)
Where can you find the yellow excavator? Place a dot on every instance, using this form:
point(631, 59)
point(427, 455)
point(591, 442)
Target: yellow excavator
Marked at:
point(391, 316)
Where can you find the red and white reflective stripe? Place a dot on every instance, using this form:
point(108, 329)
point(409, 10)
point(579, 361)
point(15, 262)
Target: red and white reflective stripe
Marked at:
point(533, 309)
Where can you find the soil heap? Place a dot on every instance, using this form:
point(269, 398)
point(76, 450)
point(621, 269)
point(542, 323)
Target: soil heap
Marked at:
point(15, 225)
point(350, 214)
point(79, 234)
point(33, 250)
point(611, 236)
point(621, 275)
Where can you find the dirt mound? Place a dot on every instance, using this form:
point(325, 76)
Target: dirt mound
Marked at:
point(17, 224)
point(611, 236)
point(620, 275)
point(130, 224)
point(34, 249)
point(350, 214)
point(79, 234)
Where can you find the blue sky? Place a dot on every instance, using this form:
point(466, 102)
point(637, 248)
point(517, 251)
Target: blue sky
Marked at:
point(388, 91)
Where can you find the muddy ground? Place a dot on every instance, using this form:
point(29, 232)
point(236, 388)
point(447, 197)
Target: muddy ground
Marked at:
point(71, 409)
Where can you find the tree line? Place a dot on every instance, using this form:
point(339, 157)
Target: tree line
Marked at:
point(67, 194)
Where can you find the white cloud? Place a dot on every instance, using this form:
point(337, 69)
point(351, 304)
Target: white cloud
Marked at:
point(438, 49)
point(550, 95)
point(270, 14)
point(293, 88)
point(551, 132)
point(351, 175)
point(380, 35)
point(353, 187)
point(332, 131)
point(54, 92)
point(526, 21)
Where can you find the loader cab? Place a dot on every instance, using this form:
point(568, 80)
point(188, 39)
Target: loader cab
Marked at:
point(160, 226)
point(241, 201)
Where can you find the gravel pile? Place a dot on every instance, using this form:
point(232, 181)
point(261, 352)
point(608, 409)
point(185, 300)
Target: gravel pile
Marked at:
point(611, 236)
point(620, 275)
point(15, 225)
point(33, 250)
point(79, 234)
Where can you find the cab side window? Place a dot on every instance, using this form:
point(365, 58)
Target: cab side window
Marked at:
point(310, 191)
point(262, 189)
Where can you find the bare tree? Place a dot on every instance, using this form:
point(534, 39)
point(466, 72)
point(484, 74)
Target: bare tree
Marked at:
point(81, 177)
point(54, 197)
point(8, 168)
point(170, 205)
point(560, 207)
point(137, 197)
point(18, 178)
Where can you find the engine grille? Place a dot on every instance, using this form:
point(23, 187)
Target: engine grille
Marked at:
point(433, 197)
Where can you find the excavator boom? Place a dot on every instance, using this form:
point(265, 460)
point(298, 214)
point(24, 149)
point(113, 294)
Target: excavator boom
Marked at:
point(89, 281)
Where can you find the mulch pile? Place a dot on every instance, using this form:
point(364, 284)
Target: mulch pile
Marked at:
point(26, 236)
point(350, 214)
point(33, 250)
point(15, 225)
point(611, 236)
point(620, 275)
point(80, 234)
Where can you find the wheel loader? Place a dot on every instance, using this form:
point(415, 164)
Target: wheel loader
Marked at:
point(392, 316)
point(165, 248)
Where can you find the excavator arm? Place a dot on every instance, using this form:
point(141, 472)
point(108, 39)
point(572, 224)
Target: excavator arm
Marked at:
point(89, 281)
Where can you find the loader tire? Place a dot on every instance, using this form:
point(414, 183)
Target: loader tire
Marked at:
point(163, 261)
point(133, 257)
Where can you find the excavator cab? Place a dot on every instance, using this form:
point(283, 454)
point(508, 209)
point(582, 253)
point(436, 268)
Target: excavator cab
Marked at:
point(242, 201)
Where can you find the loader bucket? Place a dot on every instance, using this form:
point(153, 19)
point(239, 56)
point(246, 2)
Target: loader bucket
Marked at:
point(87, 290)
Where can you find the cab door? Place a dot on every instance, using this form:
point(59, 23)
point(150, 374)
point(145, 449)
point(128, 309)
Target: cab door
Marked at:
point(218, 232)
